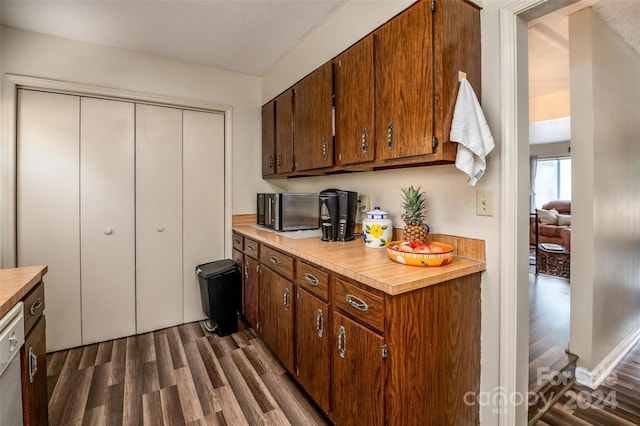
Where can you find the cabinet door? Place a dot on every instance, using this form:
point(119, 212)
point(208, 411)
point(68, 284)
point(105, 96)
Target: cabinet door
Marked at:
point(202, 201)
point(48, 205)
point(312, 347)
point(354, 103)
point(107, 222)
point(284, 132)
point(250, 301)
point(276, 315)
point(357, 373)
point(158, 217)
point(313, 126)
point(33, 357)
point(404, 84)
point(269, 139)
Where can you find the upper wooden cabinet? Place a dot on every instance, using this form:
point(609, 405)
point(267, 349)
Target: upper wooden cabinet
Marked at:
point(313, 121)
point(284, 133)
point(394, 93)
point(353, 77)
point(269, 139)
point(404, 93)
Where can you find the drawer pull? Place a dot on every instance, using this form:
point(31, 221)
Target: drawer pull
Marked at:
point(342, 342)
point(236, 241)
point(33, 365)
point(35, 306)
point(251, 247)
point(365, 141)
point(390, 135)
point(311, 279)
point(285, 299)
point(357, 303)
point(320, 323)
point(274, 260)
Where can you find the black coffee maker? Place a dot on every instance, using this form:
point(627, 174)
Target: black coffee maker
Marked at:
point(338, 214)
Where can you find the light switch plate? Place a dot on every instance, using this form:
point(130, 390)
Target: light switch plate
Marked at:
point(484, 202)
point(364, 203)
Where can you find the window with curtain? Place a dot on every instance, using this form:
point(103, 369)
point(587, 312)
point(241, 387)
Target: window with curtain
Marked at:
point(552, 180)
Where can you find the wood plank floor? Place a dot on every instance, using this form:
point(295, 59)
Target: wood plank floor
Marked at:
point(615, 403)
point(549, 302)
point(181, 375)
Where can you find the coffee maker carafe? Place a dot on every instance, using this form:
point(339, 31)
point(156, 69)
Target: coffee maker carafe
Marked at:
point(338, 214)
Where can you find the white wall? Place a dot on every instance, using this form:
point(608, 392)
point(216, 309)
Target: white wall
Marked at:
point(36, 55)
point(605, 270)
point(451, 199)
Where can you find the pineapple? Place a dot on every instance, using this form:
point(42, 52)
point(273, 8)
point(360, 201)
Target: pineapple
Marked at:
point(414, 205)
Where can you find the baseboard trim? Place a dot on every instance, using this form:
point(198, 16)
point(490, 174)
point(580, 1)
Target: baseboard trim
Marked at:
point(594, 378)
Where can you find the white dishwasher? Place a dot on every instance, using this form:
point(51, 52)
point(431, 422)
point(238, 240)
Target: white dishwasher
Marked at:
point(11, 340)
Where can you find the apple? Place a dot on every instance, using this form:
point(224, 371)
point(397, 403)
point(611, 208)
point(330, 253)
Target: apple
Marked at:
point(404, 247)
point(424, 249)
point(436, 248)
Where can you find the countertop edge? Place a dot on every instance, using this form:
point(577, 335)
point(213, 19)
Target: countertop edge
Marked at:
point(23, 280)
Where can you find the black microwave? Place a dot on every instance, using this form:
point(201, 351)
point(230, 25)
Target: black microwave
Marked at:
point(288, 211)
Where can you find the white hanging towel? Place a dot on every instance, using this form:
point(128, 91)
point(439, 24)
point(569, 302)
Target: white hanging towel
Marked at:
point(469, 128)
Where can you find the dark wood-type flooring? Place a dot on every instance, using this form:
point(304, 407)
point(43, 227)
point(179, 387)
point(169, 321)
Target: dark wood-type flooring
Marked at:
point(549, 304)
point(615, 403)
point(181, 375)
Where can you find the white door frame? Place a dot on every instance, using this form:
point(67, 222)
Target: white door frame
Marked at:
point(8, 146)
point(514, 229)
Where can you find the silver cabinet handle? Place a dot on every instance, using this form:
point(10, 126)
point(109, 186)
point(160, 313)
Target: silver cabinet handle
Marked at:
point(325, 150)
point(365, 141)
point(270, 161)
point(35, 306)
point(390, 135)
point(320, 323)
point(279, 160)
point(311, 279)
point(274, 260)
point(285, 299)
point(246, 270)
point(342, 342)
point(33, 365)
point(357, 303)
point(251, 248)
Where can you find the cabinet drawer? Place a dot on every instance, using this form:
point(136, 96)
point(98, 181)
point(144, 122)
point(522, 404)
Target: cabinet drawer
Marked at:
point(313, 279)
point(238, 242)
point(277, 261)
point(33, 307)
point(360, 304)
point(251, 247)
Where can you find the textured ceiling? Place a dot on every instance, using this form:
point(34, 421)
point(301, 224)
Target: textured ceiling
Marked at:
point(237, 35)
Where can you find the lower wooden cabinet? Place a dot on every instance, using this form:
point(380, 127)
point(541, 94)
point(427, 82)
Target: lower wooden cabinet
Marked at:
point(312, 347)
point(251, 283)
point(34, 376)
point(276, 296)
point(357, 373)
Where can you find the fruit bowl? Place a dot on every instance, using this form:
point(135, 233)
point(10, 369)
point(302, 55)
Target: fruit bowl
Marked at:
point(420, 254)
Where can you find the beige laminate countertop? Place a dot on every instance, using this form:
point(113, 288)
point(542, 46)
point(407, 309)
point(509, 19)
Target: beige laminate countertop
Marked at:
point(15, 283)
point(366, 265)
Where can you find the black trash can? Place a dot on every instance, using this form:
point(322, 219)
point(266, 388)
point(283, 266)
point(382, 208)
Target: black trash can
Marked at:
point(221, 292)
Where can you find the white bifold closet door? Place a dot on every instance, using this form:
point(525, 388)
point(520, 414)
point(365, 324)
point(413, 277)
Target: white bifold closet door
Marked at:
point(158, 217)
point(203, 201)
point(107, 221)
point(48, 206)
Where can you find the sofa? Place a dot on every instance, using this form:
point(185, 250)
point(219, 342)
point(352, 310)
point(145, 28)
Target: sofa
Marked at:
point(554, 224)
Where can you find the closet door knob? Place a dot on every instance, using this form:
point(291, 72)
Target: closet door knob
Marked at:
point(160, 228)
point(108, 231)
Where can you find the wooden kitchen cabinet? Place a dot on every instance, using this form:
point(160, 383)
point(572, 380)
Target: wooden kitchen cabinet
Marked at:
point(269, 139)
point(404, 84)
point(313, 120)
point(418, 55)
point(276, 296)
point(284, 133)
point(354, 115)
point(251, 281)
point(312, 347)
point(33, 359)
point(358, 397)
